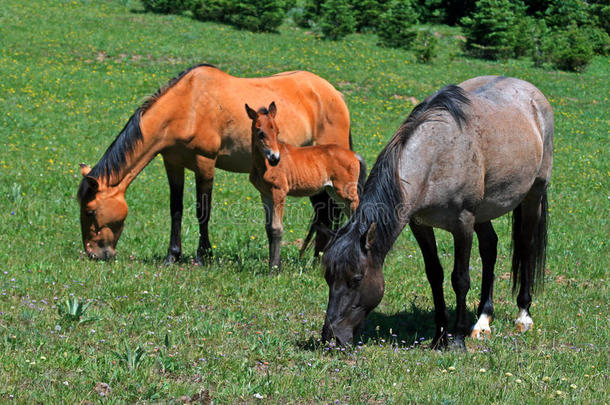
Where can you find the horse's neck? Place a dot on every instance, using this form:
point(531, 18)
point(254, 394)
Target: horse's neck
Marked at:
point(258, 160)
point(143, 152)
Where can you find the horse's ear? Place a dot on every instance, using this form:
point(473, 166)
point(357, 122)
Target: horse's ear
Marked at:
point(84, 169)
point(272, 109)
point(368, 238)
point(93, 184)
point(251, 113)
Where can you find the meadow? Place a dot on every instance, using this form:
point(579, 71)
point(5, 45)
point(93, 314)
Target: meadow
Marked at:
point(73, 72)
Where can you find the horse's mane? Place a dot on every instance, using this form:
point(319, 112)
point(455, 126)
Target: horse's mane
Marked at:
point(115, 156)
point(383, 193)
point(171, 83)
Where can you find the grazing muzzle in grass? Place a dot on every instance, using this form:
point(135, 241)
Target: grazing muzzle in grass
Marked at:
point(356, 286)
point(102, 212)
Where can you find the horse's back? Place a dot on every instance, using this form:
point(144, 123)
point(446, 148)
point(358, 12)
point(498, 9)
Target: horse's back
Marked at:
point(489, 163)
point(511, 121)
point(310, 111)
point(513, 93)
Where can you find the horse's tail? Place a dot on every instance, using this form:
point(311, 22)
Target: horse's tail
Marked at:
point(362, 175)
point(531, 258)
point(309, 237)
point(351, 142)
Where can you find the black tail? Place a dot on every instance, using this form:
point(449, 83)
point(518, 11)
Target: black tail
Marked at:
point(362, 175)
point(307, 240)
point(535, 261)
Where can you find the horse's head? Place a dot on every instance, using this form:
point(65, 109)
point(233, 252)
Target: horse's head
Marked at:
point(102, 214)
point(265, 132)
point(355, 282)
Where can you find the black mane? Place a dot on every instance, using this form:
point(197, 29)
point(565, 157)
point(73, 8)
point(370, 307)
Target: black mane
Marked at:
point(383, 195)
point(115, 156)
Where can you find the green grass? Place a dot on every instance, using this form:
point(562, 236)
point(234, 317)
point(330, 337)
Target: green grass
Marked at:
point(72, 72)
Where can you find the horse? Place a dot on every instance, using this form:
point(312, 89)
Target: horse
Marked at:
point(280, 169)
point(464, 156)
point(196, 122)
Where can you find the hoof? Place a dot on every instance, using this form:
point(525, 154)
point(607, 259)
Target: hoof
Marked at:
point(523, 327)
point(480, 334)
point(170, 259)
point(481, 329)
point(440, 342)
point(203, 260)
point(524, 322)
point(457, 345)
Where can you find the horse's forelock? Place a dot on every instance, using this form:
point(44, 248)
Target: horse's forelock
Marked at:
point(343, 252)
point(85, 191)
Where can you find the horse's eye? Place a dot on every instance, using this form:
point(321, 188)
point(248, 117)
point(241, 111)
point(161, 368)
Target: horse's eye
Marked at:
point(90, 213)
point(261, 135)
point(356, 280)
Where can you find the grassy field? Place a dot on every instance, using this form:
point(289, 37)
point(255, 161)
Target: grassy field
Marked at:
point(71, 74)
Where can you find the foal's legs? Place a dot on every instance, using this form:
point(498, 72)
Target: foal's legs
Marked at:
point(488, 248)
point(427, 243)
point(175, 177)
point(460, 277)
point(274, 212)
point(204, 179)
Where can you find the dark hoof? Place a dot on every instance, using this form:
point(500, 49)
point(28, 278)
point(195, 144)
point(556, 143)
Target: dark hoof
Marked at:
point(457, 344)
point(439, 342)
point(203, 260)
point(171, 259)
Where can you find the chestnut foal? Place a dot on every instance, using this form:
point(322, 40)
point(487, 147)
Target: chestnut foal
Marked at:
point(280, 169)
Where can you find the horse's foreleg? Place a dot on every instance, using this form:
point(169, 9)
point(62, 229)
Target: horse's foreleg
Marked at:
point(204, 179)
point(175, 177)
point(488, 249)
point(460, 277)
point(274, 212)
point(434, 271)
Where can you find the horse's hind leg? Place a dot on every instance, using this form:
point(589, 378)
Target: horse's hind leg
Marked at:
point(529, 249)
point(427, 243)
point(204, 179)
point(175, 177)
point(488, 249)
point(460, 277)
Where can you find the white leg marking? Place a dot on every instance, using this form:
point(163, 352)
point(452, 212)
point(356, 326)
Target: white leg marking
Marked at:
point(524, 321)
point(481, 328)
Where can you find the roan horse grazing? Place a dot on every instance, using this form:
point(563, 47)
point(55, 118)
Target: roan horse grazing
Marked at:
point(197, 122)
point(464, 156)
point(279, 170)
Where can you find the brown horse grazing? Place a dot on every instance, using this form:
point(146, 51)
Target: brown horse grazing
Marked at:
point(279, 169)
point(464, 156)
point(197, 122)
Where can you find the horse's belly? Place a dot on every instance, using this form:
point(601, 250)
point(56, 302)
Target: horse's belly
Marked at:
point(501, 200)
point(235, 162)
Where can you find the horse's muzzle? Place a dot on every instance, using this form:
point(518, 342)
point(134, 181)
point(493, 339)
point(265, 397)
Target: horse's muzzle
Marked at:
point(101, 254)
point(273, 159)
point(343, 336)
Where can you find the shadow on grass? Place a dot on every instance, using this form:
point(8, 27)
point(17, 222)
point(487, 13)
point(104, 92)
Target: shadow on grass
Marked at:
point(249, 260)
point(402, 329)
